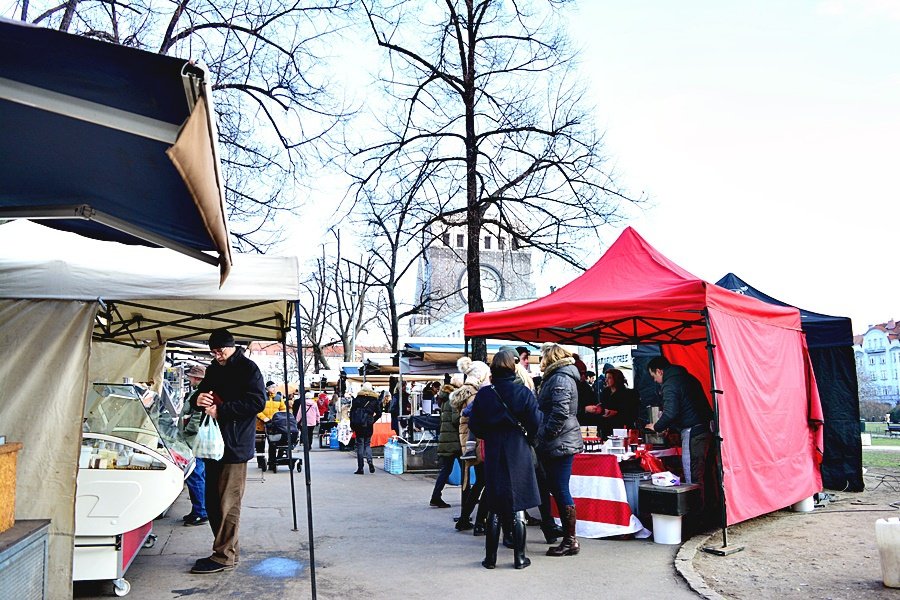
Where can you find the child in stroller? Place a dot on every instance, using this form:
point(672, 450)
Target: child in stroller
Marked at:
point(282, 434)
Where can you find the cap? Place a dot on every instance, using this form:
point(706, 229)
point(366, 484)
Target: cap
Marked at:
point(270, 383)
point(221, 338)
point(198, 371)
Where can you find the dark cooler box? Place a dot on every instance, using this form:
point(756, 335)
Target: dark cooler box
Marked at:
point(676, 500)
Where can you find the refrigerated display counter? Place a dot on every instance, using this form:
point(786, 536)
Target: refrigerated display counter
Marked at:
point(132, 467)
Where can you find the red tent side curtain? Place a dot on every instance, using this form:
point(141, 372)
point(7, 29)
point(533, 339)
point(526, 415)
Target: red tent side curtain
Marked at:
point(769, 416)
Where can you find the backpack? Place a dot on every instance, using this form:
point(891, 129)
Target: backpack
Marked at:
point(359, 416)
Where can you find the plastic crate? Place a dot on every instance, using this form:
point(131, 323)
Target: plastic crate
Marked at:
point(632, 487)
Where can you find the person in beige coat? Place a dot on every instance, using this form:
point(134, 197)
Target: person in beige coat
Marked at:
point(475, 374)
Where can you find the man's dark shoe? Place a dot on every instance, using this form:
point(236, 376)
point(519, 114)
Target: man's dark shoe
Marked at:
point(371, 468)
point(196, 520)
point(464, 525)
point(188, 516)
point(358, 472)
point(207, 565)
point(438, 503)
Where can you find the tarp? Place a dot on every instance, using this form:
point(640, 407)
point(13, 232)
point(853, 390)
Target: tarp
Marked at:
point(769, 409)
point(110, 142)
point(830, 341)
point(50, 286)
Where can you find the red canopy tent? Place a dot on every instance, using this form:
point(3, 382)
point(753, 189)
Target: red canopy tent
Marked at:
point(752, 354)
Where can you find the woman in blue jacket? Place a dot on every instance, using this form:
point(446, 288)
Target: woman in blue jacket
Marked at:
point(505, 417)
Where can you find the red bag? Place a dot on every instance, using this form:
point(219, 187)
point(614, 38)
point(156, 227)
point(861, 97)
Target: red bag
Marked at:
point(649, 462)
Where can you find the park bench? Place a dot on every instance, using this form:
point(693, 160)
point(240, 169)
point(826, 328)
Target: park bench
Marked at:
point(893, 429)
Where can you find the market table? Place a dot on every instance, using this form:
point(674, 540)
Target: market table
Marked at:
point(600, 500)
point(381, 433)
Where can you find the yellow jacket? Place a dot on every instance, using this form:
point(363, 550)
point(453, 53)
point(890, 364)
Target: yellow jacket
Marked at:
point(272, 406)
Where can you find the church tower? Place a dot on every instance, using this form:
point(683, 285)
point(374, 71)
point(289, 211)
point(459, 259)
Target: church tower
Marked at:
point(506, 274)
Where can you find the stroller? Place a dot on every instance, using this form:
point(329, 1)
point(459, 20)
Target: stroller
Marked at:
point(282, 434)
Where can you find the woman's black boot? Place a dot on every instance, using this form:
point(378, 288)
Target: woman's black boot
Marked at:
point(520, 561)
point(491, 541)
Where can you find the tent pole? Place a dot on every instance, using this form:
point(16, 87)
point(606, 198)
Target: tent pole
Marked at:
point(290, 415)
point(309, 510)
point(725, 550)
point(596, 366)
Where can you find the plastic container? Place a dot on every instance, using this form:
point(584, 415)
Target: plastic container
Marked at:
point(388, 455)
point(887, 534)
point(666, 529)
point(396, 451)
point(805, 505)
point(632, 486)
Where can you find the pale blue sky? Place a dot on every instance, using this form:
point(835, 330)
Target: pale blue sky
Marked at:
point(766, 134)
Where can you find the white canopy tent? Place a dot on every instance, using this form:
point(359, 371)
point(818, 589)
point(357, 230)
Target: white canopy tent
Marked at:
point(74, 311)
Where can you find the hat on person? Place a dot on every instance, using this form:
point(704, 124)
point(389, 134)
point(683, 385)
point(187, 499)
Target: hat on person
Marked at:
point(476, 372)
point(221, 338)
point(270, 383)
point(309, 395)
point(607, 367)
point(367, 387)
point(522, 350)
point(515, 351)
point(198, 371)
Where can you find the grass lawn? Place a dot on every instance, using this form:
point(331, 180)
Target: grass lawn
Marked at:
point(876, 428)
point(885, 441)
point(872, 459)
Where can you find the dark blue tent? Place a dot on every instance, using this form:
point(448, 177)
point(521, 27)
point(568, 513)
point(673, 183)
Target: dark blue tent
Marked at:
point(110, 142)
point(830, 341)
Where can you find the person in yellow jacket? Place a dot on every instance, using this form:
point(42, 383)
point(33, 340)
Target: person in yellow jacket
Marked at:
point(274, 404)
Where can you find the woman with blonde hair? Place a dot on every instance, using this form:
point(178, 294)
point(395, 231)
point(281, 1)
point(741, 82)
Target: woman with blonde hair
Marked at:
point(559, 436)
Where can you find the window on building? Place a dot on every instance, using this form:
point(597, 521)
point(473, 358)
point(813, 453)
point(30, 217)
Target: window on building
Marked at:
point(501, 243)
point(872, 360)
point(882, 360)
point(446, 239)
point(883, 375)
point(515, 243)
point(487, 242)
point(460, 240)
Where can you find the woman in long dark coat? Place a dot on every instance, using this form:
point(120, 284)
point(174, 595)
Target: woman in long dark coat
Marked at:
point(510, 483)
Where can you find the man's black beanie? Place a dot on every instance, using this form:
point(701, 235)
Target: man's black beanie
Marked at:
point(221, 338)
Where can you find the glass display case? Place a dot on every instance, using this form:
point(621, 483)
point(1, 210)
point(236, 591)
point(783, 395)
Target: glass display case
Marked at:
point(132, 467)
point(132, 413)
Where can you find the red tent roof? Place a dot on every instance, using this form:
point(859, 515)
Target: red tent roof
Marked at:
point(632, 294)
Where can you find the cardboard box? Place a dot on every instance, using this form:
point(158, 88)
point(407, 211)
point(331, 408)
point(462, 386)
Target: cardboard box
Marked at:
point(8, 454)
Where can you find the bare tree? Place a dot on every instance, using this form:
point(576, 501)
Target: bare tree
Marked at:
point(352, 284)
point(267, 62)
point(485, 97)
point(399, 229)
point(317, 312)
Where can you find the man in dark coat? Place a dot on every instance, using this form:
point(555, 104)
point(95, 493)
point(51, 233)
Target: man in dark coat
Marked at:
point(686, 410)
point(502, 415)
point(232, 393)
point(366, 404)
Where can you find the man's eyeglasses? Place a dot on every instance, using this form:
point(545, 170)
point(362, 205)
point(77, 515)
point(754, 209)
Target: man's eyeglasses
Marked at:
point(217, 351)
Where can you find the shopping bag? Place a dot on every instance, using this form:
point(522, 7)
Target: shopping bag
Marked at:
point(209, 443)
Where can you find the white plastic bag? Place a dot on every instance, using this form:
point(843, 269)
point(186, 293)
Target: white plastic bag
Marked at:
point(209, 443)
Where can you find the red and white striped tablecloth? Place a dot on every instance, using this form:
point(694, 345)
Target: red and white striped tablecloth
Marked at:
point(600, 501)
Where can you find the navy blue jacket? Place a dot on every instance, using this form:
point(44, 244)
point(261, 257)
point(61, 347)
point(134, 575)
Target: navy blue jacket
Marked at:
point(684, 403)
point(510, 483)
point(242, 389)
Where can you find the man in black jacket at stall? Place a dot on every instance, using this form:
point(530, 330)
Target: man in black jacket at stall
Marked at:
point(233, 393)
point(686, 410)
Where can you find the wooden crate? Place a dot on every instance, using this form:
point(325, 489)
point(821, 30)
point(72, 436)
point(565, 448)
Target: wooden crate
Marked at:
point(8, 454)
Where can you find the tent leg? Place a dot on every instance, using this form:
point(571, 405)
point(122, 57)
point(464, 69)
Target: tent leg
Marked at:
point(725, 550)
point(309, 510)
point(290, 415)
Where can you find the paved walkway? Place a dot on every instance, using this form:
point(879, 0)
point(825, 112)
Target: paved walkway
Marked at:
point(376, 537)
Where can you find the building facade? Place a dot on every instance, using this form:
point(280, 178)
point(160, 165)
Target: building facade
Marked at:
point(506, 276)
point(877, 354)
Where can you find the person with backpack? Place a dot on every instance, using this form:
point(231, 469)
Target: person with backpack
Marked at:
point(364, 411)
point(559, 436)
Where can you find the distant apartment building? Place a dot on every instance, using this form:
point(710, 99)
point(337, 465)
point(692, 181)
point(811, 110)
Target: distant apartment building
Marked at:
point(877, 354)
